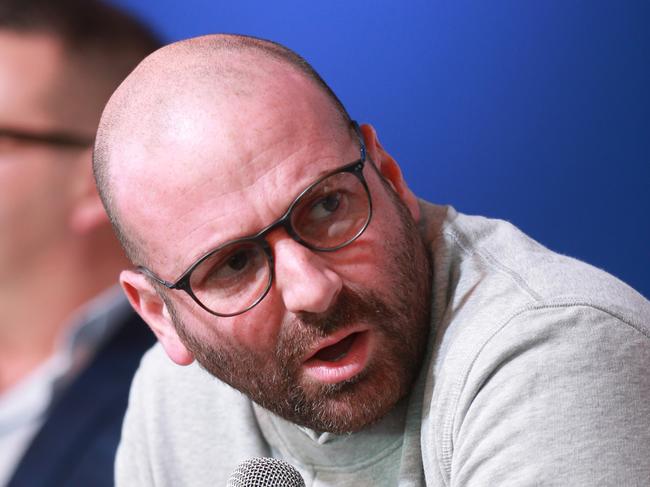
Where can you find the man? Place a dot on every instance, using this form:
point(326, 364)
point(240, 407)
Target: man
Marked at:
point(69, 342)
point(378, 339)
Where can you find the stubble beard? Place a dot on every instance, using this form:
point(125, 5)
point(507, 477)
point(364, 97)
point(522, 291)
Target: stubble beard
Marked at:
point(400, 322)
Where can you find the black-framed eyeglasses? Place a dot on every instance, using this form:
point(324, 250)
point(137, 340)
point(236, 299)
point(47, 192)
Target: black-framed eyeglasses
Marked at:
point(61, 139)
point(329, 214)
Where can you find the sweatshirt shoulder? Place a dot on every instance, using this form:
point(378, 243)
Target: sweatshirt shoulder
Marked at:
point(497, 250)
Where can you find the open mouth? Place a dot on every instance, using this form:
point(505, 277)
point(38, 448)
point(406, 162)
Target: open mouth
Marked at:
point(336, 352)
point(340, 360)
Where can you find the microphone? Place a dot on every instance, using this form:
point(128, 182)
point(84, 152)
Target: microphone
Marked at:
point(265, 472)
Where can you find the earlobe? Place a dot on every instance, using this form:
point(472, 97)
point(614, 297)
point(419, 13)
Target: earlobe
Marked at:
point(389, 170)
point(153, 310)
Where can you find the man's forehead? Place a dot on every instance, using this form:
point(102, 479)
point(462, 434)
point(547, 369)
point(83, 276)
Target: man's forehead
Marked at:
point(221, 173)
point(216, 200)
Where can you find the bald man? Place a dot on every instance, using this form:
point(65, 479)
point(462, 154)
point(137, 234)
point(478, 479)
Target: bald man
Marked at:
point(69, 341)
point(377, 339)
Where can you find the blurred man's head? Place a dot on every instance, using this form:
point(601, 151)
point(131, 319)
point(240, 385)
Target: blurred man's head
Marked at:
point(320, 319)
point(59, 62)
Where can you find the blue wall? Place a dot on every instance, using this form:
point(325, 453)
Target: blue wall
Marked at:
point(537, 112)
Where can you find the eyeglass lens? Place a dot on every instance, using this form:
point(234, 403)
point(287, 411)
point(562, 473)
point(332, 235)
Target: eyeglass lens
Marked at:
point(328, 216)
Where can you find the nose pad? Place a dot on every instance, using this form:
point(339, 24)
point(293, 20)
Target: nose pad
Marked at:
point(305, 282)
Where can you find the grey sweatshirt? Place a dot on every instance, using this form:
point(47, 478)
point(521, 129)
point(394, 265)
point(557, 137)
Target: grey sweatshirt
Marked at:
point(536, 374)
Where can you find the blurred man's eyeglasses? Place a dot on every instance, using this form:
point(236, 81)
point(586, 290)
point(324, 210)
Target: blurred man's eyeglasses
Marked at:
point(11, 138)
point(329, 214)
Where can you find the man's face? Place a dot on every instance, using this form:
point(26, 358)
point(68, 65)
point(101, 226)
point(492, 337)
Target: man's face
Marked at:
point(340, 336)
point(343, 368)
point(35, 178)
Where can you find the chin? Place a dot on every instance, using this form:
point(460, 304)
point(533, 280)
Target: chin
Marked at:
point(348, 406)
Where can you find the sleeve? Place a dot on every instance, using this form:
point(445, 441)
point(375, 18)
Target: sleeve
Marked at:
point(558, 396)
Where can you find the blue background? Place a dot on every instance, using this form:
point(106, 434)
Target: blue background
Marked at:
point(537, 112)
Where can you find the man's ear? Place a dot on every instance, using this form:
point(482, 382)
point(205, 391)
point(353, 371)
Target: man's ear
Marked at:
point(153, 310)
point(88, 212)
point(390, 170)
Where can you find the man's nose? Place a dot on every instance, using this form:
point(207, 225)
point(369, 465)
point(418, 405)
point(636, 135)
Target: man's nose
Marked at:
point(302, 277)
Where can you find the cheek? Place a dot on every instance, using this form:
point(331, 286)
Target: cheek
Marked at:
point(255, 330)
point(368, 261)
point(258, 329)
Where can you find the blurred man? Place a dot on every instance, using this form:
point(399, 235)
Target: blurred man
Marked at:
point(68, 341)
point(378, 339)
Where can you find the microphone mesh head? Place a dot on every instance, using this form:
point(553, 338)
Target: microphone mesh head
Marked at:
point(265, 472)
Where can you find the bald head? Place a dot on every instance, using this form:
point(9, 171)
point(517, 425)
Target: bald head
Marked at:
point(208, 88)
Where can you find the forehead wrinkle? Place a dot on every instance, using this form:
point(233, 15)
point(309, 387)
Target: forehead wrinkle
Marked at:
point(215, 239)
point(241, 194)
point(271, 209)
point(240, 179)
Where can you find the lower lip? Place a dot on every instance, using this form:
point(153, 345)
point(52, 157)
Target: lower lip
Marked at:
point(344, 369)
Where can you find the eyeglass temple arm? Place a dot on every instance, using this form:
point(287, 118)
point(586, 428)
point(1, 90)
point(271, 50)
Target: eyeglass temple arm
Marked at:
point(150, 274)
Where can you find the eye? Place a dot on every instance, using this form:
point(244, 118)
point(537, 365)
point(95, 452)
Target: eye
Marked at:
point(237, 261)
point(232, 264)
point(325, 206)
point(229, 267)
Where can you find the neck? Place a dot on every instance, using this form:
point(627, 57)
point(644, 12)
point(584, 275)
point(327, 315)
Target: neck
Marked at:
point(37, 301)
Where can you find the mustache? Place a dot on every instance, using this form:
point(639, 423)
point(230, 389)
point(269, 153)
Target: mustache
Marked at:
point(301, 332)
